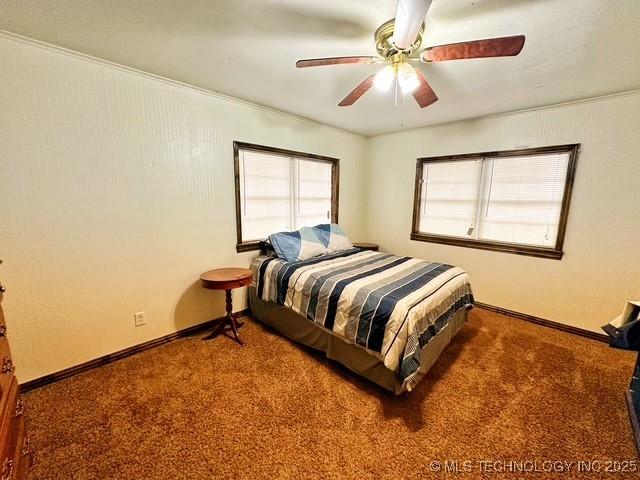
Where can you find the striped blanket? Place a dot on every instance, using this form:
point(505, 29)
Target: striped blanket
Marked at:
point(391, 306)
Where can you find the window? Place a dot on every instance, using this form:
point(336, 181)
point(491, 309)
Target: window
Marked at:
point(279, 190)
point(513, 201)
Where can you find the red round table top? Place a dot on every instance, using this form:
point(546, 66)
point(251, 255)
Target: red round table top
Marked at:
point(226, 278)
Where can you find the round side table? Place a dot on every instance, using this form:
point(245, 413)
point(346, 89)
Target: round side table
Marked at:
point(227, 279)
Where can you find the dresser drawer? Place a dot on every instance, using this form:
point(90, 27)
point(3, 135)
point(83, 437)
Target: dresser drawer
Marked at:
point(6, 368)
point(6, 363)
point(3, 325)
point(8, 395)
point(8, 408)
point(15, 451)
point(22, 453)
point(9, 444)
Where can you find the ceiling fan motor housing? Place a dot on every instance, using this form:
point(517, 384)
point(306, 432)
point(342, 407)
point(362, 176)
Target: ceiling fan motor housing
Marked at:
point(386, 47)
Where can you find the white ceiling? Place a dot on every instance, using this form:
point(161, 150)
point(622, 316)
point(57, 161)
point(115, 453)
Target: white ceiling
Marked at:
point(247, 49)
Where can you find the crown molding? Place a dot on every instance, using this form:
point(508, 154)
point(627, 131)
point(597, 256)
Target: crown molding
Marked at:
point(167, 81)
point(599, 98)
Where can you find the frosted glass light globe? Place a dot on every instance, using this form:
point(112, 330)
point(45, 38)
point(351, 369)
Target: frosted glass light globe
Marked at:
point(407, 78)
point(384, 78)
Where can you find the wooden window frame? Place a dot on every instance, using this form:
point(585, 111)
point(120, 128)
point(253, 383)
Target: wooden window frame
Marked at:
point(555, 252)
point(335, 184)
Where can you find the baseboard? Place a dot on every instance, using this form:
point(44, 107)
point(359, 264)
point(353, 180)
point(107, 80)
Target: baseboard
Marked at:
point(112, 357)
point(601, 337)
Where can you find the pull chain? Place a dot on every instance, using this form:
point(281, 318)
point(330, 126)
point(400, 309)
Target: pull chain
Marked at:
point(395, 95)
point(403, 110)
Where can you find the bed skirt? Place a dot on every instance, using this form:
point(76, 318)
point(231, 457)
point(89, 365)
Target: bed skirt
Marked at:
point(355, 358)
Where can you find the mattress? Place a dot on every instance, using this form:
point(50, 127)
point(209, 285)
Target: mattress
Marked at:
point(388, 306)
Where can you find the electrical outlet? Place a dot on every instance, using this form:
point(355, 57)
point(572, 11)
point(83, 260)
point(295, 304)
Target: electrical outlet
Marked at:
point(138, 319)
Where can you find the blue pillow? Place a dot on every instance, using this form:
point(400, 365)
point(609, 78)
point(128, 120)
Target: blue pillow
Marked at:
point(333, 237)
point(298, 245)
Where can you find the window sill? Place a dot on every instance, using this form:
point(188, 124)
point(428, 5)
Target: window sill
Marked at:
point(529, 250)
point(248, 246)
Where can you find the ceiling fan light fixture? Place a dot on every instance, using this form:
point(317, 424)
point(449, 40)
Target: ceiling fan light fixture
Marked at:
point(384, 78)
point(398, 41)
point(407, 78)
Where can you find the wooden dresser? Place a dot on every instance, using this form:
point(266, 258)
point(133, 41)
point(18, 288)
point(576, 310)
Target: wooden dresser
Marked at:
point(14, 442)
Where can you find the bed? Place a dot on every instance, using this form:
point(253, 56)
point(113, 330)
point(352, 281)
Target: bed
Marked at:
point(385, 317)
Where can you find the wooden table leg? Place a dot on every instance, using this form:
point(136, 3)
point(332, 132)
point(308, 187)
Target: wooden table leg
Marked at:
point(238, 322)
point(231, 320)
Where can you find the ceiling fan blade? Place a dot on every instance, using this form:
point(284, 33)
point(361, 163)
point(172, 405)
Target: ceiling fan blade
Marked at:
point(490, 47)
point(409, 17)
point(317, 62)
point(357, 92)
point(424, 94)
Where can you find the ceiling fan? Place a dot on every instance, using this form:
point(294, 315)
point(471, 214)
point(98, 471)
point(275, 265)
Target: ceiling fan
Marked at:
point(397, 43)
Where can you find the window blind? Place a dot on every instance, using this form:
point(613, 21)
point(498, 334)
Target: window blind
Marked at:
point(515, 199)
point(449, 197)
point(522, 199)
point(313, 193)
point(279, 192)
point(265, 194)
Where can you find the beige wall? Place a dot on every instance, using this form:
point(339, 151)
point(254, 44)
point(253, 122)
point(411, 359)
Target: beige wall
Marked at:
point(601, 266)
point(116, 191)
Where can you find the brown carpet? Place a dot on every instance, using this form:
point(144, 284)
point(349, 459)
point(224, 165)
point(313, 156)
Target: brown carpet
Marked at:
point(503, 390)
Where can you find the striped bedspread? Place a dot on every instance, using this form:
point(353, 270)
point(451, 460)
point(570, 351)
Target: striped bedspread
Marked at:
point(391, 306)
